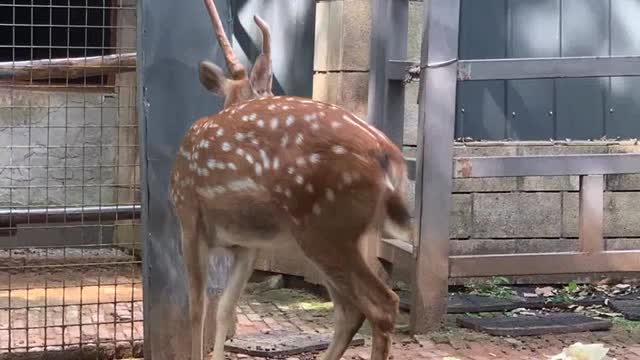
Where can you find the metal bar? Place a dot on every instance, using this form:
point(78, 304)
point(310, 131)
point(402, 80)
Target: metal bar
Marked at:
point(435, 154)
point(591, 213)
point(398, 23)
point(11, 217)
point(544, 264)
point(546, 165)
point(411, 167)
point(540, 68)
point(377, 64)
point(397, 69)
point(395, 251)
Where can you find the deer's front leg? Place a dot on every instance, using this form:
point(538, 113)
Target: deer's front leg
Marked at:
point(244, 260)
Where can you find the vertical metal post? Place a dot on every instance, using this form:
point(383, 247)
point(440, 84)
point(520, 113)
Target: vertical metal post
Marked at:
point(434, 163)
point(591, 213)
point(398, 25)
point(377, 64)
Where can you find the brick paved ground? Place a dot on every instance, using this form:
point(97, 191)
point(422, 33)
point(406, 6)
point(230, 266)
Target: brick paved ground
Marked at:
point(54, 317)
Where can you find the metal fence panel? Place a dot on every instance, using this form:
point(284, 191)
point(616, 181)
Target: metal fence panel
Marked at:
point(623, 102)
point(481, 104)
point(585, 32)
point(540, 109)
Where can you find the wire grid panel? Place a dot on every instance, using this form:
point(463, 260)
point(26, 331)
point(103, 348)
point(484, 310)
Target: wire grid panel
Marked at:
point(70, 275)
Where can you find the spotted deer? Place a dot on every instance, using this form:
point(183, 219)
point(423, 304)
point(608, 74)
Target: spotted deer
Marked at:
point(276, 171)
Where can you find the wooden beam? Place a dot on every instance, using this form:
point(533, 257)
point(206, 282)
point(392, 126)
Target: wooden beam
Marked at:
point(67, 68)
point(544, 264)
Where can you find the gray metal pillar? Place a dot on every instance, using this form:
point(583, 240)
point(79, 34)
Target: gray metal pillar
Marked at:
point(434, 164)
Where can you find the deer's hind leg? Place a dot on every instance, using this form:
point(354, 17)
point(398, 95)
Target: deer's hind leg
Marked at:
point(347, 319)
point(347, 273)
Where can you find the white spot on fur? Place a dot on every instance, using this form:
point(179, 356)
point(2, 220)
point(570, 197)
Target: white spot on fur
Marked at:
point(309, 188)
point(290, 170)
point(271, 107)
point(240, 151)
point(314, 158)
point(290, 99)
point(253, 116)
point(203, 172)
point(316, 209)
point(265, 159)
point(244, 184)
point(285, 140)
point(346, 177)
point(322, 114)
point(258, 169)
point(315, 126)
point(301, 161)
point(289, 120)
point(299, 139)
point(331, 196)
point(211, 164)
point(221, 166)
point(260, 123)
point(286, 107)
point(232, 166)
point(335, 124)
point(220, 132)
point(195, 155)
point(287, 193)
point(299, 179)
point(226, 147)
point(255, 142)
point(249, 158)
point(193, 166)
point(276, 163)
point(274, 123)
point(277, 189)
point(210, 192)
point(337, 149)
point(240, 136)
point(245, 118)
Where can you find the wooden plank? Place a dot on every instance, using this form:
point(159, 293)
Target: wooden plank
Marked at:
point(591, 213)
point(69, 68)
point(542, 264)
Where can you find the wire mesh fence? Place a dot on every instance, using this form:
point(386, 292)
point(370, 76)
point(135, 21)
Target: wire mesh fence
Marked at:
point(70, 276)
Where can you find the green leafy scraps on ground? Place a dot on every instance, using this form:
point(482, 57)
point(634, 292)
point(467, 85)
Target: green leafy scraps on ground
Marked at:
point(494, 287)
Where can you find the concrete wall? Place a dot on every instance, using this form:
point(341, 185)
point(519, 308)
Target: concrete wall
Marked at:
point(58, 148)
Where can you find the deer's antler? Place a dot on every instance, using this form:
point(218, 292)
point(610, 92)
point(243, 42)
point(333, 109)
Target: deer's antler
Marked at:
point(235, 67)
point(266, 35)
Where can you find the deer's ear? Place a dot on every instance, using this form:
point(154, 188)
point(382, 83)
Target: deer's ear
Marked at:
point(212, 77)
point(261, 76)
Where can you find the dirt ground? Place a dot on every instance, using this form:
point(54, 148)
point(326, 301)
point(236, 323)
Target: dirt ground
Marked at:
point(113, 299)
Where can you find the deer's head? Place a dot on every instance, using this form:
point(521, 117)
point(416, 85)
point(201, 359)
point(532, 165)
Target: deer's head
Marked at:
point(240, 86)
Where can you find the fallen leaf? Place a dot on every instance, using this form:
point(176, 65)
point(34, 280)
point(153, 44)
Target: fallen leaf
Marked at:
point(530, 295)
point(546, 291)
point(579, 351)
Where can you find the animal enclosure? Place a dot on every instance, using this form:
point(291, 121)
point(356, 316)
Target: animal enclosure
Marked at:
point(70, 276)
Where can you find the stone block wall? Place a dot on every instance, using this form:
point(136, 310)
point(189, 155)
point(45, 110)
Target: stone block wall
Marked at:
point(538, 214)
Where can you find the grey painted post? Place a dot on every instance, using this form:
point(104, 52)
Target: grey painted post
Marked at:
point(377, 64)
point(434, 163)
point(398, 27)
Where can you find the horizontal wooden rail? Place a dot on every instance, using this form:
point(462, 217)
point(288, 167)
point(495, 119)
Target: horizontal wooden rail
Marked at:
point(67, 68)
